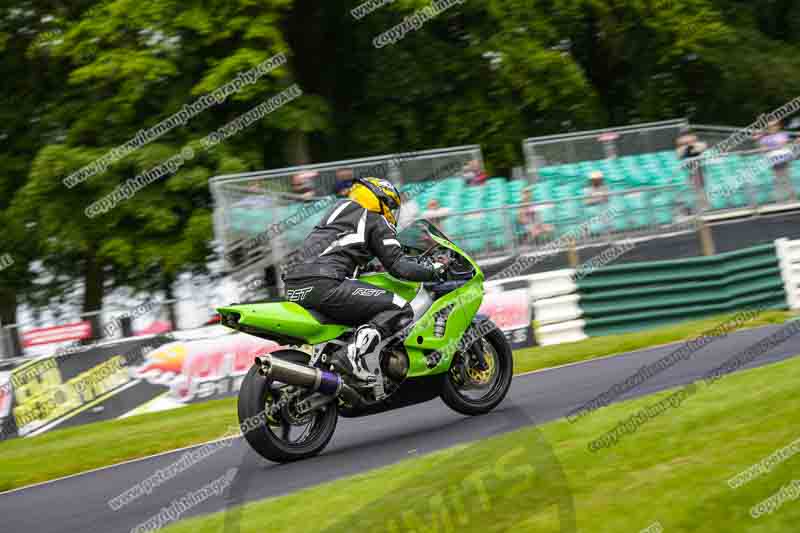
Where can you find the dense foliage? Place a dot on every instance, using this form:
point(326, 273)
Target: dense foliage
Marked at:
point(80, 78)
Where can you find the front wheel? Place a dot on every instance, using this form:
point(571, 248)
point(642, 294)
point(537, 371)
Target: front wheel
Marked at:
point(480, 376)
point(267, 421)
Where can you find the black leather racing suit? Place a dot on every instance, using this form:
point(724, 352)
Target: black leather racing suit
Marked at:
point(346, 239)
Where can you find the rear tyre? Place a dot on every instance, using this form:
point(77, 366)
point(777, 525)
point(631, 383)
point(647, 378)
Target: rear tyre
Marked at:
point(489, 390)
point(270, 434)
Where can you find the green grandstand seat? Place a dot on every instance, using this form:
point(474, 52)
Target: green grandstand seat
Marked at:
point(794, 172)
point(475, 239)
point(496, 230)
point(547, 212)
point(515, 189)
point(542, 192)
point(650, 159)
point(597, 222)
point(547, 172)
point(663, 206)
point(764, 185)
point(570, 212)
point(617, 204)
point(638, 209)
point(562, 191)
point(452, 228)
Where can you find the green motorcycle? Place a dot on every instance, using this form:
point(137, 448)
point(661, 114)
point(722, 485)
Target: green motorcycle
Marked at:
point(290, 400)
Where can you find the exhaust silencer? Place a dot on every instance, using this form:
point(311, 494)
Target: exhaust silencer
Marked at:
point(300, 375)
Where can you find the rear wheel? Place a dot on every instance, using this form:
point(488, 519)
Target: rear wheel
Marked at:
point(475, 387)
point(268, 421)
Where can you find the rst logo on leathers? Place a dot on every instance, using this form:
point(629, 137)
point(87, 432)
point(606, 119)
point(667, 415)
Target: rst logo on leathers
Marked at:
point(368, 292)
point(298, 295)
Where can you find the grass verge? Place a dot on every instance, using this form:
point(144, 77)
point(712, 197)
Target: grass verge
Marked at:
point(78, 449)
point(672, 471)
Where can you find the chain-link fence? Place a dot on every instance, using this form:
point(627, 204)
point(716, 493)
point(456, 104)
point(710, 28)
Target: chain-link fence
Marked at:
point(725, 168)
point(596, 145)
point(262, 217)
point(554, 225)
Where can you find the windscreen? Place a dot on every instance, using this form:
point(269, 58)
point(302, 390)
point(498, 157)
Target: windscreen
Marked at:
point(417, 236)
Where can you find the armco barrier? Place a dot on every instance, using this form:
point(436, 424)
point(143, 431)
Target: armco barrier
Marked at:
point(556, 307)
point(789, 260)
point(635, 296)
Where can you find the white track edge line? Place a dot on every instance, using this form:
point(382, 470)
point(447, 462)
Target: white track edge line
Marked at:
point(159, 454)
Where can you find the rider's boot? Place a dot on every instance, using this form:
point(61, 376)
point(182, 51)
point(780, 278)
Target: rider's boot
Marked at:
point(351, 358)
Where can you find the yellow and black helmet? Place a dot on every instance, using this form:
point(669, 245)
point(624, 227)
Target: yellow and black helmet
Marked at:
point(377, 195)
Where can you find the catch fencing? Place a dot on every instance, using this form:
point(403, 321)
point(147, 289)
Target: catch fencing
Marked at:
point(733, 176)
point(600, 144)
point(546, 227)
point(260, 218)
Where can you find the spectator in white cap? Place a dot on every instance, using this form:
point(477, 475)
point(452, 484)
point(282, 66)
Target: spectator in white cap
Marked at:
point(596, 192)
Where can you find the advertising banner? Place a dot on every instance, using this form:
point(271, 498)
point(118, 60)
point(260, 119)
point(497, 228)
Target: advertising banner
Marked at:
point(50, 390)
point(65, 332)
point(510, 309)
point(200, 365)
point(132, 376)
point(158, 372)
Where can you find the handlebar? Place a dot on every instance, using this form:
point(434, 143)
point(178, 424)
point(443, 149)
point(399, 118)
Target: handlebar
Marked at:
point(440, 288)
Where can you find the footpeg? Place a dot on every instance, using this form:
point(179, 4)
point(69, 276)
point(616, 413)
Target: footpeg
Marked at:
point(372, 362)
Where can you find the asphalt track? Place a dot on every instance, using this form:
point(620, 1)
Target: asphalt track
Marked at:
point(79, 504)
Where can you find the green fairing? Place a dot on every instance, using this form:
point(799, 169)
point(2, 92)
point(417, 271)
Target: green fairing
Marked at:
point(292, 320)
point(466, 301)
point(406, 289)
point(285, 318)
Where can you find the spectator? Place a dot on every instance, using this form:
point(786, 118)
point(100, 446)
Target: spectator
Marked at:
point(597, 192)
point(776, 144)
point(303, 185)
point(689, 148)
point(434, 212)
point(473, 173)
point(344, 180)
point(528, 220)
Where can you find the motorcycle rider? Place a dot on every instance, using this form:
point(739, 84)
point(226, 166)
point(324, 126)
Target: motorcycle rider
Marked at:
point(350, 235)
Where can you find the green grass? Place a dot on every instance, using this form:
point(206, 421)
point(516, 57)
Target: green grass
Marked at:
point(80, 448)
point(73, 450)
point(673, 470)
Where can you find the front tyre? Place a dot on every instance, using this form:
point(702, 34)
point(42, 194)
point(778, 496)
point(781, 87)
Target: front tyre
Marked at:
point(274, 433)
point(474, 387)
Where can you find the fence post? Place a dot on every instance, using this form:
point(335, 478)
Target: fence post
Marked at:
point(126, 325)
point(508, 222)
point(572, 254)
point(9, 335)
point(706, 238)
point(96, 327)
